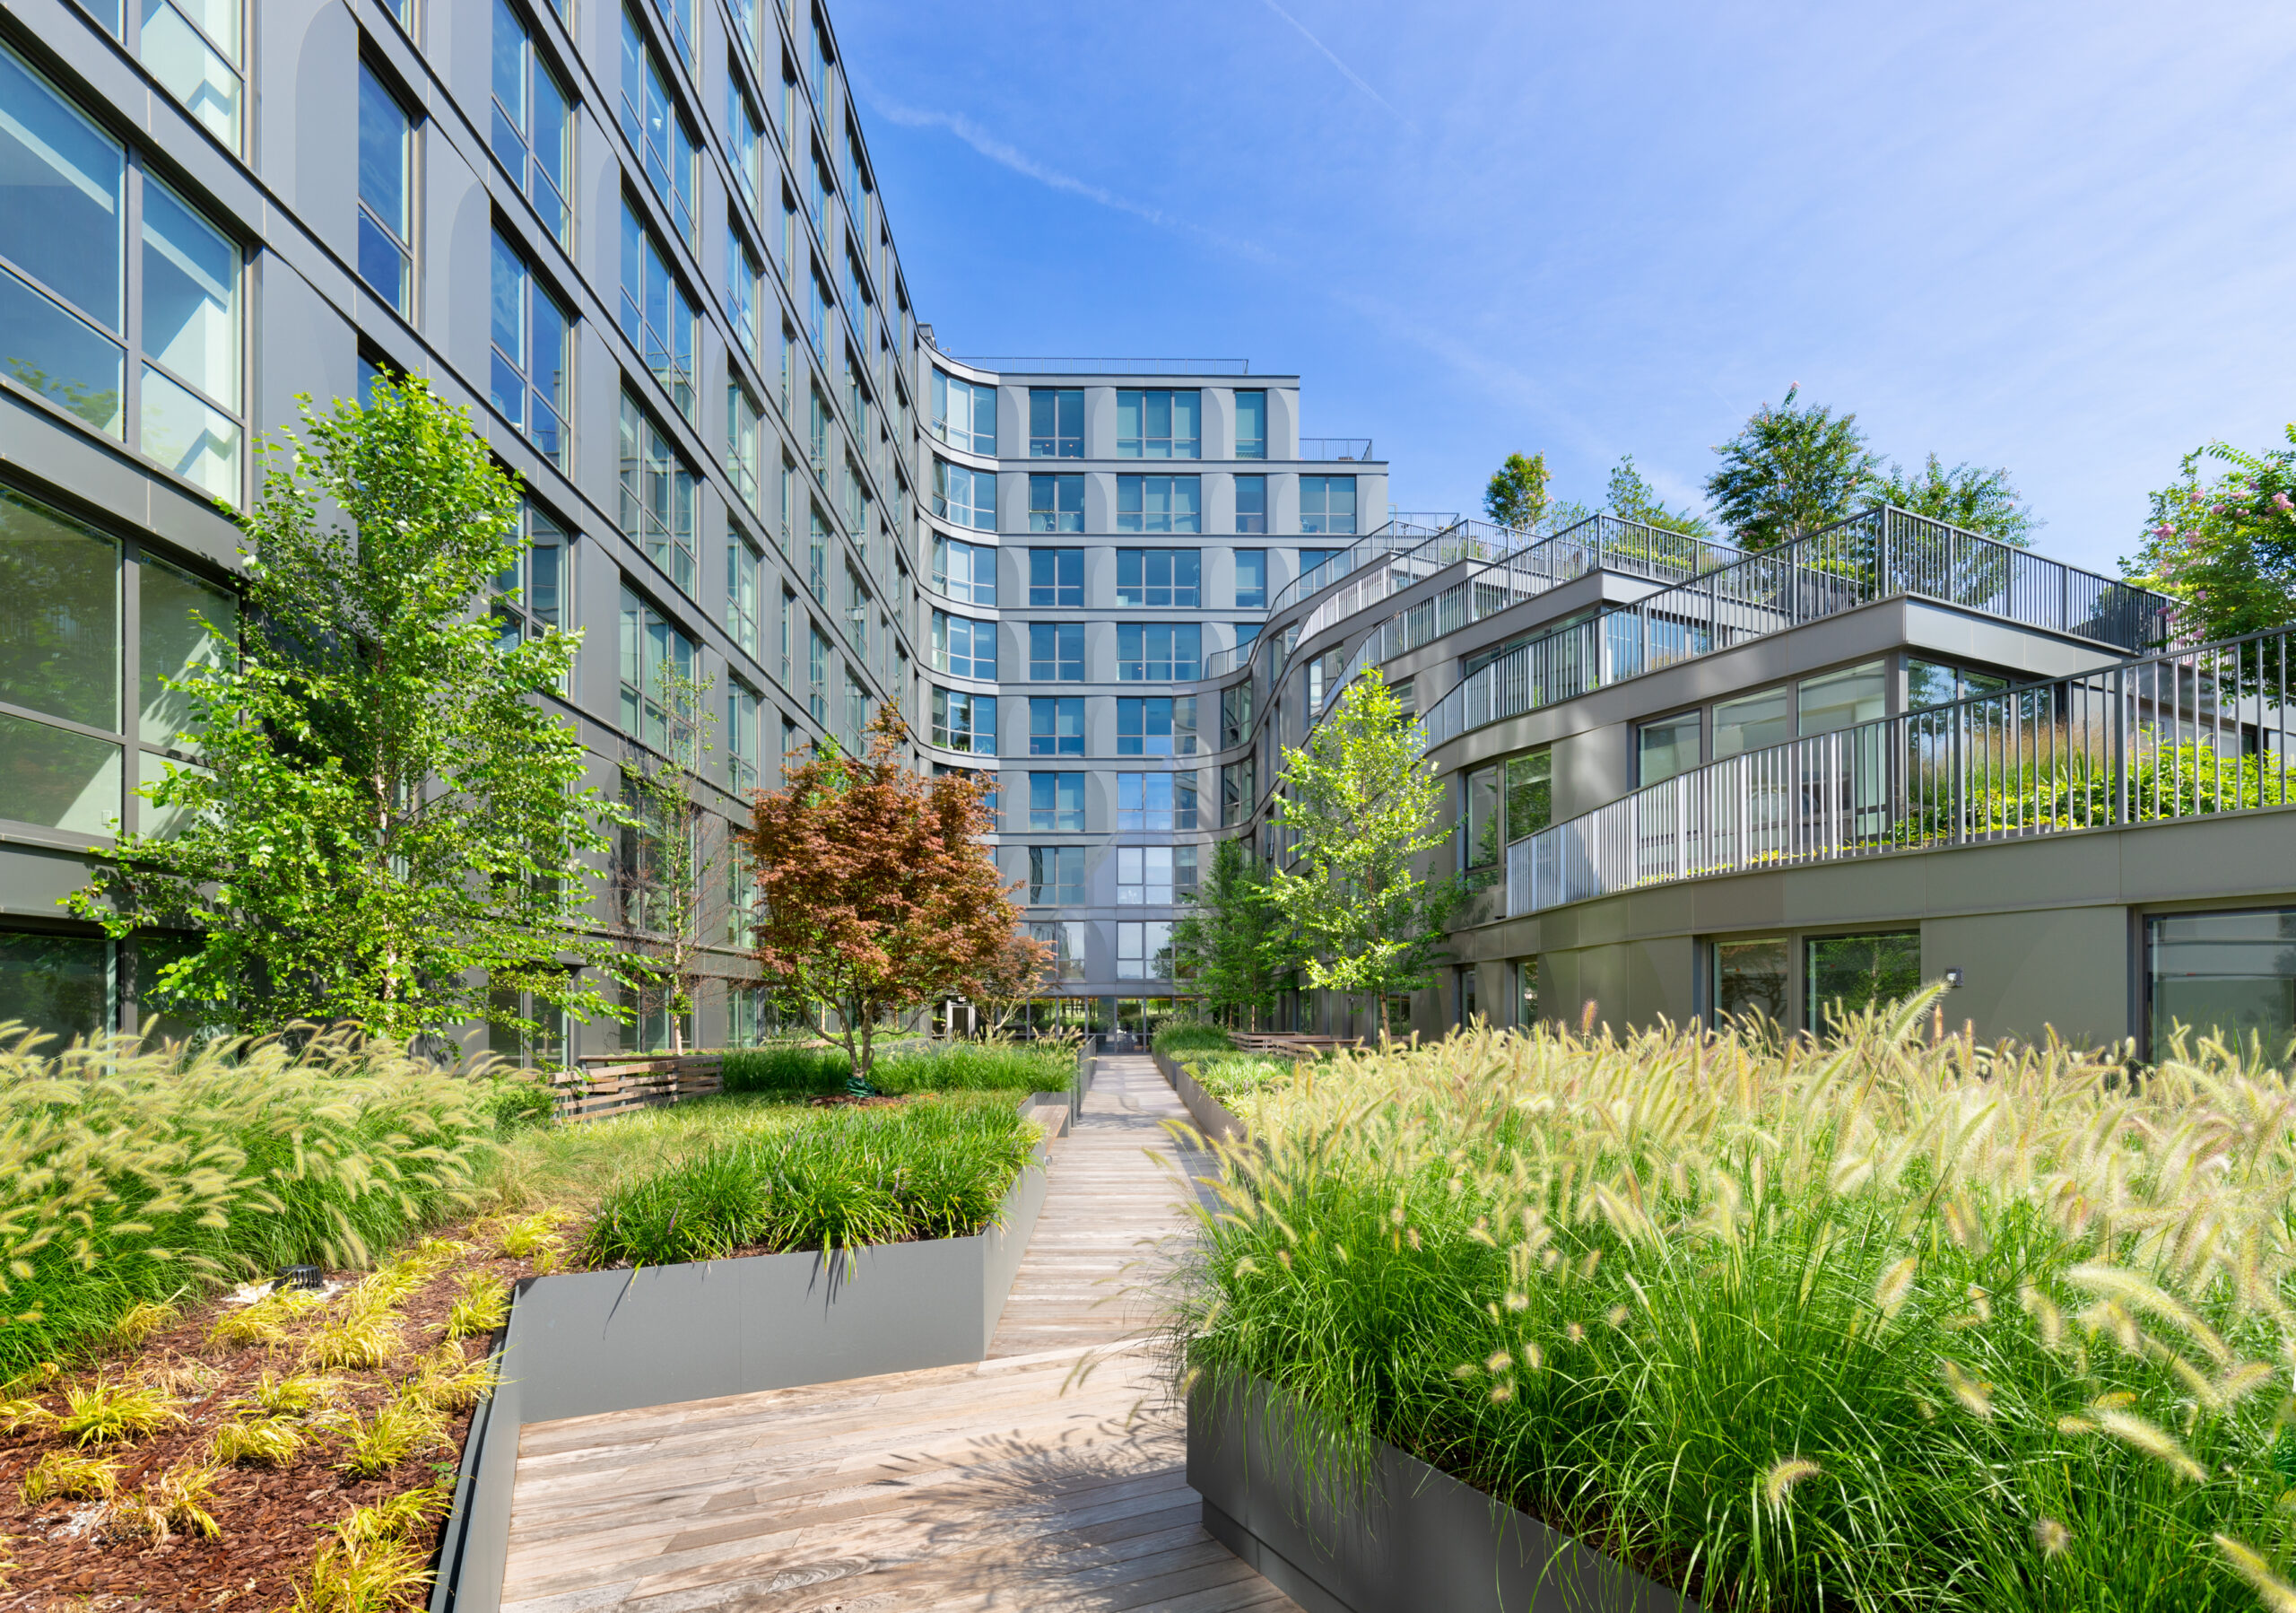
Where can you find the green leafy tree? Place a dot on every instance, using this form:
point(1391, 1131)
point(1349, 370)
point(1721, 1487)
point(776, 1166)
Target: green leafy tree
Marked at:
point(1233, 944)
point(2224, 547)
point(1635, 500)
point(387, 827)
point(671, 886)
point(1361, 803)
point(1790, 470)
point(1516, 496)
point(1966, 496)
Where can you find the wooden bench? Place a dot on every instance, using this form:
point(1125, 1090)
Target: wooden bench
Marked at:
point(626, 1084)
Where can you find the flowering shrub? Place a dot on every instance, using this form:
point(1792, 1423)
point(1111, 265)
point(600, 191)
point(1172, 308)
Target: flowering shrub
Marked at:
point(2225, 549)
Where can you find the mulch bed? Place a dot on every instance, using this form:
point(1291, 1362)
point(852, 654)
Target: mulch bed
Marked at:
point(273, 1519)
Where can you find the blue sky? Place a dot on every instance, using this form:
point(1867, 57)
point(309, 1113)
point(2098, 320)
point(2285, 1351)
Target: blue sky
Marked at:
point(2058, 238)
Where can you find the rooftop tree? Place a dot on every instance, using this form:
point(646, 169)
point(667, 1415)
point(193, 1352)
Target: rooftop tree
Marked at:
point(879, 895)
point(1967, 496)
point(1233, 945)
point(387, 826)
point(1789, 471)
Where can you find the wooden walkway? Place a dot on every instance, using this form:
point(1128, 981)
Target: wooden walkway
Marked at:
point(1048, 1476)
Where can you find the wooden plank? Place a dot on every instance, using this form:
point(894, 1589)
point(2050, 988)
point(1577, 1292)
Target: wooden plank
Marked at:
point(1048, 1476)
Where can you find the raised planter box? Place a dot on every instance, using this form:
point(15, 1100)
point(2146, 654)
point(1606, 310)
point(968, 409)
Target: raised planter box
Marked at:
point(1410, 1540)
point(1210, 1116)
point(587, 1342)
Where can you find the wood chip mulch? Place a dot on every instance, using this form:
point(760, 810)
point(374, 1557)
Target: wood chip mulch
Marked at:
point(68, 1554)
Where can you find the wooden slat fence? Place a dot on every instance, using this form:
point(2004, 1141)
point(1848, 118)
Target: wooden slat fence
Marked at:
point(626, 1084)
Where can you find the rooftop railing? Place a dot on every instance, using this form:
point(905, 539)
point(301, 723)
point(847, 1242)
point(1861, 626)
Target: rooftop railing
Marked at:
point(1877, 554)
point(1335, 448)
point(2178, 734)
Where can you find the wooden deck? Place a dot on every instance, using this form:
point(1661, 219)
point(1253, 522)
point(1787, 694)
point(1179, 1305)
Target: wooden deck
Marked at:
point(1047, 1477)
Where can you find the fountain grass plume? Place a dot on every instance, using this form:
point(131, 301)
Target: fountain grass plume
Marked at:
point(1881, 1322)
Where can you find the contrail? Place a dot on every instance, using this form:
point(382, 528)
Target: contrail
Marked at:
point(1347, 72)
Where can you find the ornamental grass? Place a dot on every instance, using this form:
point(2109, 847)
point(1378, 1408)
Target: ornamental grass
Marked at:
point(1891, 1322)
point(827, 1179)
point(131, 1178)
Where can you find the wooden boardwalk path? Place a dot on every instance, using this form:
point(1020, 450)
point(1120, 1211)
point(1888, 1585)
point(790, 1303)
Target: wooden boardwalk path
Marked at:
point(1048, 1476)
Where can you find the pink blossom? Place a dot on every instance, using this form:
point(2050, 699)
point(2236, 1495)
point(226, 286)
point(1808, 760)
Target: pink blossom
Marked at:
point(2280, 501)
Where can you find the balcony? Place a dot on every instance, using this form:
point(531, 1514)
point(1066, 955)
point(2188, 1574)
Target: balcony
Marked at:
point(1335, 448)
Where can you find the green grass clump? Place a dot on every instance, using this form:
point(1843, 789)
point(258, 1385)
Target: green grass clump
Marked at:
point(128, 1176)
point(1875, 1324)
point(800, 1071)
point(1231, 1077)
point(1190, 1038)
point(825, 1179)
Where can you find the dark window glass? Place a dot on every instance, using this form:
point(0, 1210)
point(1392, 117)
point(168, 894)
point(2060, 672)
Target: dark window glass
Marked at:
point(1849, 974)
point(1055, 577)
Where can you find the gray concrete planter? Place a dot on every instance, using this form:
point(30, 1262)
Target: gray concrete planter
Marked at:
point(1410, 1540)
point(587, 1342)
point(1210, 1116)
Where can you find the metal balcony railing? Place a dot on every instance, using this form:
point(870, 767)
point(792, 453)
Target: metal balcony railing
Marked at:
point(1335, 448)
point(1877, 554)
point(2183, 734)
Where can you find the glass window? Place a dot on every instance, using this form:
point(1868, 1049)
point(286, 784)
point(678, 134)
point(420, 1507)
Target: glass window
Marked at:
point(1750, 979)
point(1057, 803)
point(1159, 652)
point(658, 491)
point(1485, 839)
point(1143, 951)
point(531, 380)
point(1155, 801)
point(190, 279)
point(963, 496)
point(386, 193)
point(1158, 504)
point(741, 737)
point(1056, 652)
point(655, 126)
point(964, 414)
point(1158, 577)
point(1314, 561)
point(59, 615)
point(1160, 424)
point(1849, 974)
point(59, 984)
point(1235, 715)
point(1055, 577)
point(1530, 793)
point(1666, 747)
point(649, 644)
point(817, 658)
point(1327, 504)
point(656, 314)
point(1055, 876)
point(1144, 873)
point(1251, 504)
point(1842, 700)
point(964, 571)
point(742, 565)
point(1155, 726)
point(1752, 722)
point(964, 722)
point(2232, 975)
point(1236, 795)
point(62, 210)
point(964, 646)
point(745, 293)
point(744, 436)
point(1056, 423)
point(1930, 684)
point(174, 614)
point(1066, 939)
point(534, 127)
point(1527, 991)
point(192, 50)
point(1057, 725)
point(1251, 425)
point(1056, 503)
point(745, 140)
point(1251, 580)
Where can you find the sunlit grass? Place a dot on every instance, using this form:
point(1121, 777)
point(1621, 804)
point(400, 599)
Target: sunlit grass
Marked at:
point(1885, 1325)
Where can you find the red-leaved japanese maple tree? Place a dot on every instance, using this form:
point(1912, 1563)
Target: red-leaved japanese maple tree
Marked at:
point(878, 895)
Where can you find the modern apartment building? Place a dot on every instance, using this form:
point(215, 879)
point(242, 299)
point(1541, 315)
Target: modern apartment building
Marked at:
point(1686, 781)
point(642, 242)
point(1102, 547)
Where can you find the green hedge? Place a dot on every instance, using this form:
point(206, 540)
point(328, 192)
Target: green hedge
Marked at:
point(797, 1071)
